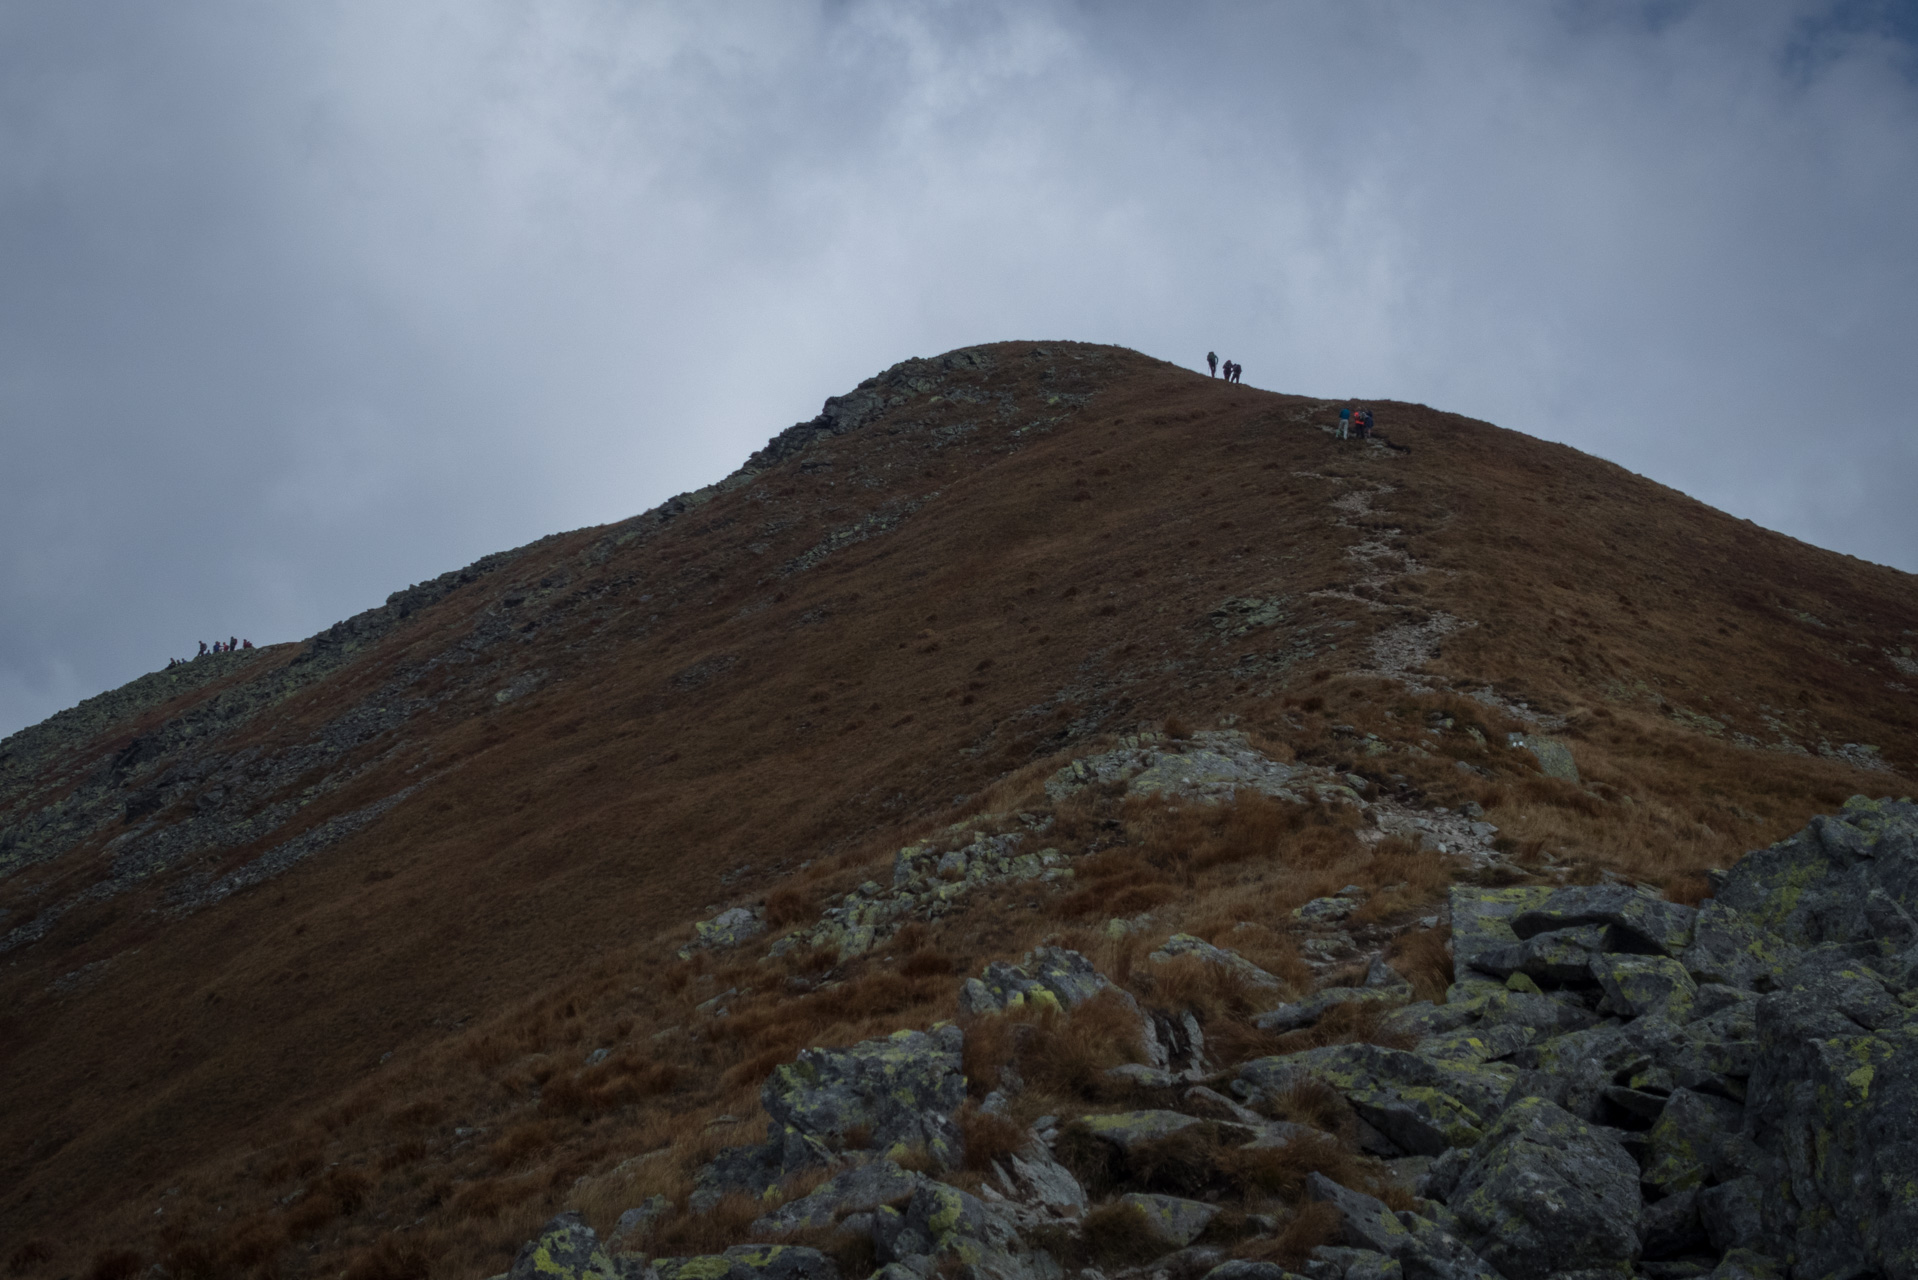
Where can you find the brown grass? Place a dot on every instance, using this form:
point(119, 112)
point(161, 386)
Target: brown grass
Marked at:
point(587, 824)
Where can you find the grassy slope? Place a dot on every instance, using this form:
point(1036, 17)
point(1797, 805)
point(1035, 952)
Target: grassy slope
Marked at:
point(564, 840)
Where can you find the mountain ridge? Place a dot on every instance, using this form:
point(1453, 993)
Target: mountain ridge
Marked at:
point(959, 572)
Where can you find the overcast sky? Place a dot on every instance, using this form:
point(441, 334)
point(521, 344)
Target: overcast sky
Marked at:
point(302, 303)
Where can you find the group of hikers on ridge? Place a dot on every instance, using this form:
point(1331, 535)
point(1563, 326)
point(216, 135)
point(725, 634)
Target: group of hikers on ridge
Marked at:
point(1354, 423)
point(1232, 371)
point(233, 645)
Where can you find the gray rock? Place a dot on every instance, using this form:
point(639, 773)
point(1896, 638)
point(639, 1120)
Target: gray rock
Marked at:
point(1850, 878)
point(1746, 1264)
point(1246, 1269)
point(637, 1223)
point(1638, 985)
point(1420, 1105)
point(1423, 1250)
point(565, 1249)
point(1733, 1213)
point(961, 1229)
point(1127, 1129)
point(1546, 1192)
point(860, 1189)
point(1557, 957)
point(727, 929)
point(1173, 1222)
point(901, 1090)
point(1637, 921)
point(1184, 944)
point(1482, 922)
point(1554, 755)
point(1049, 976)
point(1833, 1097)
point(1672, 1227)
point(1728, 950)
point(1688, 1141)
point(1303, 1013)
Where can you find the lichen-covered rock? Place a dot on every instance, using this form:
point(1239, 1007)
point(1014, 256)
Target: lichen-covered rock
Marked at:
point(637, 1223)
point(727, 929)
point(1304, 1013)
point(1422, 1106)
point(1638, 920)
point(1729, 950)
point(1546, 1192)
point(1482, 922)
point(565, 1249)
point(860, 1189)
point(1833, 1095)
point(1247, 1269)
point(1213, 765)
point(1184, 944)
point(1127, 1129)
point(1173, 1222)
point(1050, 977)
point(1671, 1227)
point(1554, 755)
point(1847, 878)
point(1556, 957)
point(1423, 1249)
point(901, 1091)
point(1688, 1141)
point(750, 1262)
point(1746, 1264)
point(1638, 985)
point(959, 1228)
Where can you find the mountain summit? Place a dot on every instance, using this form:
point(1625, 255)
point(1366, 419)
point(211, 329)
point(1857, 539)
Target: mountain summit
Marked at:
point(508, 896)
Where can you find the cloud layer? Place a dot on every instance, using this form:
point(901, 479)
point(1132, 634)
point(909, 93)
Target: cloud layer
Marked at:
point(304, 303)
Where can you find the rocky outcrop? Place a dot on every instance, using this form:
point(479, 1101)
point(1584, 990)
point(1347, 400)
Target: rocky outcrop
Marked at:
point(1616, 1086)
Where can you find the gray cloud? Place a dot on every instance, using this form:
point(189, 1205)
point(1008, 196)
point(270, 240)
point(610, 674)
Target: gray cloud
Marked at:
point(307, 302)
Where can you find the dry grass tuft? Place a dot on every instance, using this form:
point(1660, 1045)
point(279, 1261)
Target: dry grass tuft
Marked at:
point(1118, 1235)
point(1424, 958)
point(988, 1136)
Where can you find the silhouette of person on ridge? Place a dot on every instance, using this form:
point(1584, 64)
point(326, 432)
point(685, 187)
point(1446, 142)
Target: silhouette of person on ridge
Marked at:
point(1212, 362)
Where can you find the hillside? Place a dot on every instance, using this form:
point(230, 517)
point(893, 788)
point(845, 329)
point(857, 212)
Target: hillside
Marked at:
point(294, 944)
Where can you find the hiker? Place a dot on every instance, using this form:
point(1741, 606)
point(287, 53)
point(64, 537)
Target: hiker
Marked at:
point(232, 643)
point(1238, 372)
point(1228, 371)
point(202, 652)
point(246, 644)
point(1365, 424)
point(1345, 422)
point(1212, 362)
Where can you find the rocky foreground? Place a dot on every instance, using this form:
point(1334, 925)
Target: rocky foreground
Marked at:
point(1615, 1085)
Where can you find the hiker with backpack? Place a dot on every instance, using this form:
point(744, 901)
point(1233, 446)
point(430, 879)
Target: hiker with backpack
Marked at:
point(1212, 362)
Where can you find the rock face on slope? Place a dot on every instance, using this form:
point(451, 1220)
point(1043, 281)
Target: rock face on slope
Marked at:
point(1616, 1086)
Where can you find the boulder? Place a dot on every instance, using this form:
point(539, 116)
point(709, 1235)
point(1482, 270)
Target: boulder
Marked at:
point(565, 1249)
point(901, 1091)
point(727, 929)
point(1422, 1249)
point(1546, 1192)
point(1246, 1269)
point(1422, 1106)
point(1554, 755)
point(1172, 1222)
point(1184, 944)
point(1847, 878)
point(1127, 1129)
point(949, 1226)
point(1688, 1141)
point(1482, 922)
point(1729, 950)
point(1048, 977)
point(860, 1189)
point(1557, 957)
point(1637, 920)
point(750, 1262)
point(1833, 1096)
point(1637, 985)
point(637, 1223)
